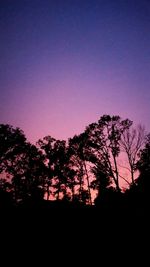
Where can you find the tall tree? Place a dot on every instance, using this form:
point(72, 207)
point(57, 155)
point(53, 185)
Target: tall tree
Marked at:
point(104, 140)
point(60, 168)
point(56, 161)
point(20, 163)
point(132, 141)
point(29, 174)
point(80, 155)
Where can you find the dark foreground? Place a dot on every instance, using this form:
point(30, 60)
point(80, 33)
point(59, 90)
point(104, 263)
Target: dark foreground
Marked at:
point(74, 236)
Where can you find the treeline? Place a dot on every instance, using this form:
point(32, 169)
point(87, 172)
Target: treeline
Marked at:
point(84, 170)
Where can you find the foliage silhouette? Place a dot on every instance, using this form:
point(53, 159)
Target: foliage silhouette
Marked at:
point(58, 174)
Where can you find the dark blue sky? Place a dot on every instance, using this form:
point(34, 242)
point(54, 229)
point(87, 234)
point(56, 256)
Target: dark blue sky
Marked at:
point(65, 63)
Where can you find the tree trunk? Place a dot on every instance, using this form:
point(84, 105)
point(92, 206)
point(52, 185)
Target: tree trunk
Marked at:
point(48, 192)
point(80, 181)
point(88, 183)
point(132, 175)
point(117, 175)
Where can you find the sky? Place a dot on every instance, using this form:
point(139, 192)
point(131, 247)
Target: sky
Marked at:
point(65, 63)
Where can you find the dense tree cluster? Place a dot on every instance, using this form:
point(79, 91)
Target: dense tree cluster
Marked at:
point(82, 171)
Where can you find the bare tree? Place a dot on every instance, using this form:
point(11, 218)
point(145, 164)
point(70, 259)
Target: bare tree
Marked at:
point(132, 140)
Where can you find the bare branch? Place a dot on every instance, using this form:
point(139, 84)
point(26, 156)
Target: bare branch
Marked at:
point(124, 179)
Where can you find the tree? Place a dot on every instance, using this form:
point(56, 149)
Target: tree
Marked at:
point(80, 156)
point(46, 146)
point(132, 141)
point(56, 162)
point(143, 166)
point(102, 181)
point(29, 175)
point(12, 142)
point(104, 139)
point(137, 196)
point(20, 163)
point(60, 168)
point(71, 173)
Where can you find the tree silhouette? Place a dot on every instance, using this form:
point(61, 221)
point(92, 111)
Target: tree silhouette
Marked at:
point(67, 172)
point(143, 165)
point(12, 143)
point(56, 162)
point(46, 146)
point(104, 139)
point(132, 141)
point(102, 181)
point(32, 179)
point(20, 163)
point(80, 156)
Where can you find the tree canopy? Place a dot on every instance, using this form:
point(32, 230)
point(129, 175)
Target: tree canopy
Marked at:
point(76, 170)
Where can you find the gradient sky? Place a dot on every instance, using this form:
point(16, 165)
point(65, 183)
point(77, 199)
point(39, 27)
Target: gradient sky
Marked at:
point(63, 64)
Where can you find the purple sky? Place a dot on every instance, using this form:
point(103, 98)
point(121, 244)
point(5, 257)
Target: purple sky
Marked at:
point(63, 64)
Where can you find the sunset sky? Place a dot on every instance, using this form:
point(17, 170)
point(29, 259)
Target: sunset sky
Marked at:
point(65, 63)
